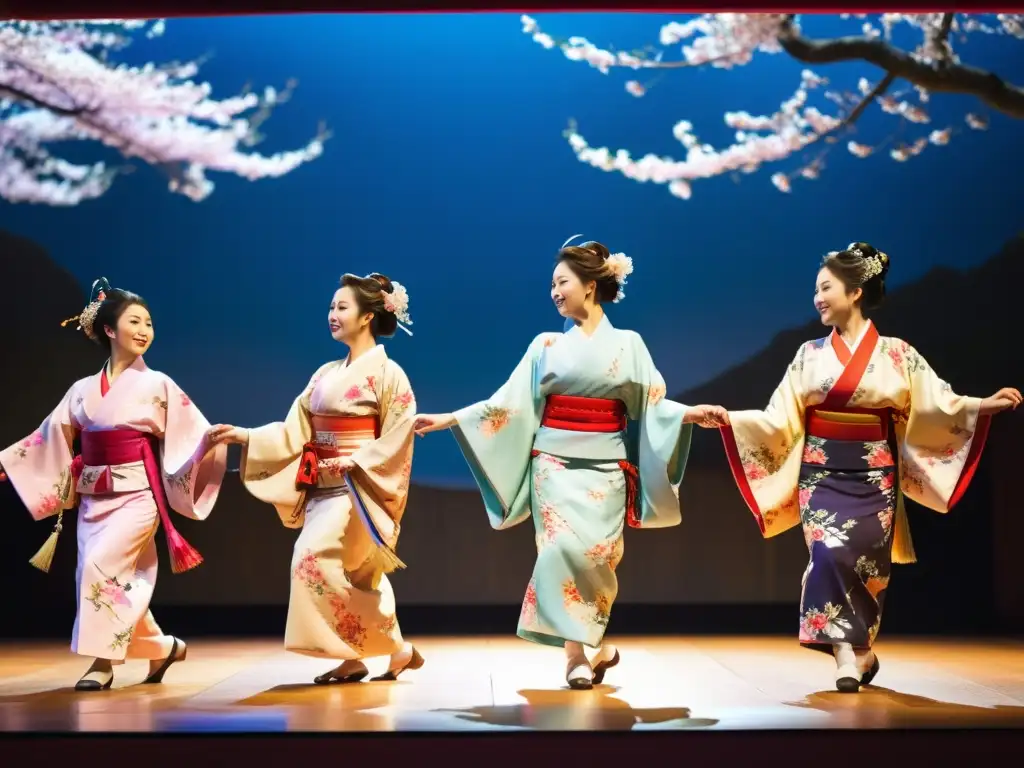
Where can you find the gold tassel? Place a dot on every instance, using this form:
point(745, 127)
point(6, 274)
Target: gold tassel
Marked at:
point(902, 545)
point(389, 560)
point(43, 559)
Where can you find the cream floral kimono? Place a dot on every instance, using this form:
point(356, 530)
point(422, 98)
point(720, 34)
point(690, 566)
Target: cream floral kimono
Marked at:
point(342, 605)
point(846, 434)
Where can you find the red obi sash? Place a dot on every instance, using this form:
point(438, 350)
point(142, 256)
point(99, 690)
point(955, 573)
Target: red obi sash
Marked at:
point(872, 426)
point(110, 447)
point(594, 414)
point(584, 414)
point(313, 452)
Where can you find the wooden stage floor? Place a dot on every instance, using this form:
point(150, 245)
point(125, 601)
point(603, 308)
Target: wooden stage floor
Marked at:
point(504, 684)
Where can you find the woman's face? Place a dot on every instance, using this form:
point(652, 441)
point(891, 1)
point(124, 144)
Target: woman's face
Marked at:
point(134, 333)
point(569, 293)
point(344, 318)
point(833, 302)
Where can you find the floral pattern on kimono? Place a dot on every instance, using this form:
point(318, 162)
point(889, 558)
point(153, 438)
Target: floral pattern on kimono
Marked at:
point(342, 605)
point(853, 534)
point(117, 523)
point(572, 484)
point(940, 434)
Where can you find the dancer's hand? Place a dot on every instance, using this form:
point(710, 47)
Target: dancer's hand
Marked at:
point(1007, 397)
point(707, 416)
point(225, 433)
point(427, 422)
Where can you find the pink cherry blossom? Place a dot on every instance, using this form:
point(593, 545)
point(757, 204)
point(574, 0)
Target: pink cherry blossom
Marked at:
point(60, 81)
point(794, 133)
point(635, 88)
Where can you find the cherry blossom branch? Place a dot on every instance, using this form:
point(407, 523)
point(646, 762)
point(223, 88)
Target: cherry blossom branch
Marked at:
point(727, 40)
point(950, 78)
point(57, 83)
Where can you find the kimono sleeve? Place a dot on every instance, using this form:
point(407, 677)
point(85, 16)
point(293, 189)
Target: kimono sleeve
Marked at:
point(658, 442)
point(270, 462)
point(193, 473)
point(765, 450)
point(496, 437)
point(383, 466)
point(942, 439)
point(39, 466)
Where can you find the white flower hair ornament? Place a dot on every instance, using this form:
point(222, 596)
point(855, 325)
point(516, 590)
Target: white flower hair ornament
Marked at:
point(620, 265)
point(87, 317)
point(397, 303)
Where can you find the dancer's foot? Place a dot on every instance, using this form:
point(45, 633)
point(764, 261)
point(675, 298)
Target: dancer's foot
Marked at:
point(867, 664)
point(158, 667)
point(606, 658)
point(99, 677)
point(350, 671)
point(847, 674)
point(407, 658)
point(578, 672)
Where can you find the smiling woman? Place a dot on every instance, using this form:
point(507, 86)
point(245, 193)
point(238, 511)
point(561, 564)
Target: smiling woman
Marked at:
point(145, 451)
point(125, 322)
point(552, 444)
point(858, 421)
point(338, 468)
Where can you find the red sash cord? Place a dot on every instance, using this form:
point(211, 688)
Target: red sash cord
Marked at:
point(594, 414)
point(313, 452)
point(632, 476)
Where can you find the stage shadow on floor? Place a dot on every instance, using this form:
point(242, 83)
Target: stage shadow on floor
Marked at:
point(567, 710)
point(875, 707)
point(336, 707)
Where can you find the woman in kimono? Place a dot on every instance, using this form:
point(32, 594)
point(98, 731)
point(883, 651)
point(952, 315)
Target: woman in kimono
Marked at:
point(554, 443)
point(144, 451)
point(338, 468)
point(852, 408)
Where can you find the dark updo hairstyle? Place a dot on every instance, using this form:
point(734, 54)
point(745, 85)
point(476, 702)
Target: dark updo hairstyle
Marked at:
point(851, 267)
point(589, 263)
point(115, 303)
point(369, 292)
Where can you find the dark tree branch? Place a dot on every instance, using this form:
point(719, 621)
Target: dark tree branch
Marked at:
point(878, 90)
point(945, 27)
point(951, 78)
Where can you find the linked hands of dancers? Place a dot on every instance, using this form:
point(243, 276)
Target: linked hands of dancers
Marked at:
point(431, 422)
point(1007, 397)
point(707, 416)
point(226, 433)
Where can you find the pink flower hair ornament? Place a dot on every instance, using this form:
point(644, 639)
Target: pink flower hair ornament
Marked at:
point(397, 303)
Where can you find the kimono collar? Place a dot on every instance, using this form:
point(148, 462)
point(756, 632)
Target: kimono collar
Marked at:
point(838, 340)
point(138, 366)
point(368, 356)
point(602, 326)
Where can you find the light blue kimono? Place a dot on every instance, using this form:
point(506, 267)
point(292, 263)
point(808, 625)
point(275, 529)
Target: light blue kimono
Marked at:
point(572, 482)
